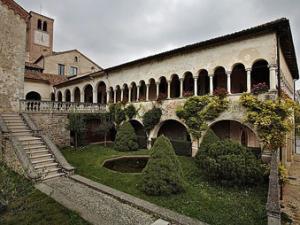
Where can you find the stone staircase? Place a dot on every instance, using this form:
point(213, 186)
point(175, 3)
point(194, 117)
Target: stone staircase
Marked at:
point(41, 158)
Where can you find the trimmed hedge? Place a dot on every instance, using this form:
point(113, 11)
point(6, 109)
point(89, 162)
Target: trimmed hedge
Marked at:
point(126, 139)
point(182, 148)
point(163, 174)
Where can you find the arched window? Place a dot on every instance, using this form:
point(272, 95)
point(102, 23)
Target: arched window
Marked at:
point(34, 96)
point(175, 86)
point(77, 94)
point(111, 95)
point(88, 94)
point(101, 93)
point(220, 78)
point(203, 83)
point(152, 89)
point(125, 93)
point(59, 96)
point(52, 97)
point(238, 79)
point(118, 93)
point(75, 59)
point(133, 92)
point(188, 84)
point(163, 88)
point(68, 95)
point(143, 88)
point(260, 73)
point(39, 24)
point(45, 26)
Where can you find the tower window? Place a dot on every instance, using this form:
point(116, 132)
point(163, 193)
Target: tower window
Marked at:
point(45, 26)
point(75, 59)
point(61, 69)
point(39, 24)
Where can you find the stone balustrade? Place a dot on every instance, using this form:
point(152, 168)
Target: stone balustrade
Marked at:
point(60, 107)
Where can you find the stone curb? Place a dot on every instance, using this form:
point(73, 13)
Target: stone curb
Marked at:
point(148, 207)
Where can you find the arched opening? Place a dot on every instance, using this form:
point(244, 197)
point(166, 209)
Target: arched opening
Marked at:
point(88, 94)
point(178, 135)
point(59, 96)
point(260, 73)
point(163, 88)
point(220, 78)
point(152, 89)
point(133, 92)
point(125, 93)
point(238, 79)
point(45, 26)
point(236, 131)
point(175, 86)
point(33, 96)
point(140, 133)
point(143, 89)
point(101, 93)
point(118, 93)
point(39, 24)
point(52, 97)
point(188, 84)
point(111, 95)
point(68, 95)
point(203, 82)
point(77, 95)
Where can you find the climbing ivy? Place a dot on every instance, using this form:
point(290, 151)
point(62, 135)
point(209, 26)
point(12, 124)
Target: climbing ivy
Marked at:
point(197, 110)
point(271, 118)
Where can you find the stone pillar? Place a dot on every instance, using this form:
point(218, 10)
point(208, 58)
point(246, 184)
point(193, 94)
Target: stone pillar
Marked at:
point(122, 94)
point(95, 96)
point(63, 97)
point(72, 96)
point(273, 77)
point(228, 82)
point(195, 85)
point(211, 84)
point(81, 96)
point(248, 80)
point(169, 89)
point(147, 92)
point(157, 89)
point(107, 96)
point(129, 93)
point(181, 87)
point(137, 93)
point(115, 96)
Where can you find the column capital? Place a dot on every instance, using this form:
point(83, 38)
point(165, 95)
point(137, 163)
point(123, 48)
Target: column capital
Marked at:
point(272, 66)
point(196, 77)
point(228, 72)
point(248, 69)
point(157, 83)
point(211, 75)
point(147, 85)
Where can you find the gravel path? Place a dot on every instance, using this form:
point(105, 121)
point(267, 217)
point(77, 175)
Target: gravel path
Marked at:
point(93, 206)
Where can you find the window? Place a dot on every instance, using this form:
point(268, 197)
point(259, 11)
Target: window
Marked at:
point(73, 70)
point(39, 24)
point(45, 26)
point(61, 69)
point(75, 59)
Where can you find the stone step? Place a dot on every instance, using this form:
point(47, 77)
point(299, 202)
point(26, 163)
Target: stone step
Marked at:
point(29, 138)
point(53, 176)
point(19, 130)
point(37, 152)
point(48, 160)
point(49, 170)
point(10, 114)
point(22, 134)
point(40, 156)
point(13, 127)
point(45, 165)
point(12, 121)
point(27, 144)
point(35, 147)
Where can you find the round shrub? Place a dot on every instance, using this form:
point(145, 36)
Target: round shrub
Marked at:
point(228, 162)
point(126, 139)
point(163, 174)
point(151, 118)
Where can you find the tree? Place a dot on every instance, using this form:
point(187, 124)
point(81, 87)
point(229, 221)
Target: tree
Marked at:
point(163, 173)
point(126, 139)
point(104, 127)
point(76, 125)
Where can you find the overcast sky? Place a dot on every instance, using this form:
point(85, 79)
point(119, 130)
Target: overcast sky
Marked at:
point(112, 32)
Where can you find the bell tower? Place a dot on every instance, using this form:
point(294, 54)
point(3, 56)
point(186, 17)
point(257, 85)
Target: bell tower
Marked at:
point(39, 36)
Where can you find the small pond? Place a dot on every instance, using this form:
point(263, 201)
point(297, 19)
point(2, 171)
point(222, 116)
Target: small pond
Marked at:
point(127, 164)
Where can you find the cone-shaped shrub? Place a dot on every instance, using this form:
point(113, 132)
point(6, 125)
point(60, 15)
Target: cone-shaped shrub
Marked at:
point(163, 173)
point(126, 139)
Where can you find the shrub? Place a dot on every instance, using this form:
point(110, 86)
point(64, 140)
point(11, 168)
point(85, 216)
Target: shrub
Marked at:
point(130, 111)
point(228, 162)
point(118, 114)
point(260, 88)
point(77, 126)
point(151, 118)
point(126, 139)
point(220, 92)
point(163, 174)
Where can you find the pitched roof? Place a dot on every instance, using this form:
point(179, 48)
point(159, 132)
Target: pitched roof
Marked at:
point(16, 8)
point(32, 65)
point(51, 79)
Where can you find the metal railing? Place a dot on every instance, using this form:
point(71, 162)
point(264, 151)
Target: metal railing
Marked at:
point(60, 107)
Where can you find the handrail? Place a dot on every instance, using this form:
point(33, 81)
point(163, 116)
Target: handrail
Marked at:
point(3, 127)
point(29, 122)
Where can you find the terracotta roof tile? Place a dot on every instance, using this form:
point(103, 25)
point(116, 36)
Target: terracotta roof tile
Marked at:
point(52, 79)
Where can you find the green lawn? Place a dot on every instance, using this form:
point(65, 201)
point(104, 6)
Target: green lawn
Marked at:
point(28, 206)
point(202, 200)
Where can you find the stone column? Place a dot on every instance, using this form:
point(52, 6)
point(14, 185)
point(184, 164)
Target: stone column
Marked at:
point(115, 96)
point(248, 80)
point(169, 89)
point(147, 92)
point(107, 96)
point(157, 89)
point(122, 94)
point(181, 87)
point(63, 97)
point(72, 96)
point(137, 93)
point(228, 82)
point(129, 93)
point(195, 85)
point(95, 96)
point(82, 96)
point(211, 84)
point(273, 77)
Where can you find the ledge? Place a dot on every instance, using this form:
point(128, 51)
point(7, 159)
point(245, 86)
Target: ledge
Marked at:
point(161, 212)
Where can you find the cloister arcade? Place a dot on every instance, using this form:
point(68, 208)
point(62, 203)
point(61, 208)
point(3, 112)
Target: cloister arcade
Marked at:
point(238, 80)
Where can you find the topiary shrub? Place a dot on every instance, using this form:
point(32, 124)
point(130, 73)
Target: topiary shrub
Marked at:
point(130, 111)
point(163, 174)
point(126, 139)
point(151, 118)
point(117, 113)
point(228, 162)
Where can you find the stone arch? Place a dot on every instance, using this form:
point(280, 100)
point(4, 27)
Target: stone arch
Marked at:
point(143, 89)
point(188, 84)
point(140, 133)
point(203, 82)
point(33, 96)
point(118, 93)
point(175, 86)
point(125, 93)
point(133, 92)
point(260, 72)
point(163, 88)
point(220, 78)
point(67, 95)
point(152, 89)
point(76, 94)
point(52, 97)
point(238, 78)
point(59, 96)
point(111, 95)
point(88, 93)
point(101, 92)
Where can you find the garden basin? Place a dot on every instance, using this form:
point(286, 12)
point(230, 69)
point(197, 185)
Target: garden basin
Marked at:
point(127, 164)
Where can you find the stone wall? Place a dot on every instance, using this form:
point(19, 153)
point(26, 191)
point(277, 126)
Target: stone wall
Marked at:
point(54, 125)
point(12, 55)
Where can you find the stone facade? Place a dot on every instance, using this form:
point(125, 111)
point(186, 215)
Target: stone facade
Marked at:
point(54, 125)
point(12, 55)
